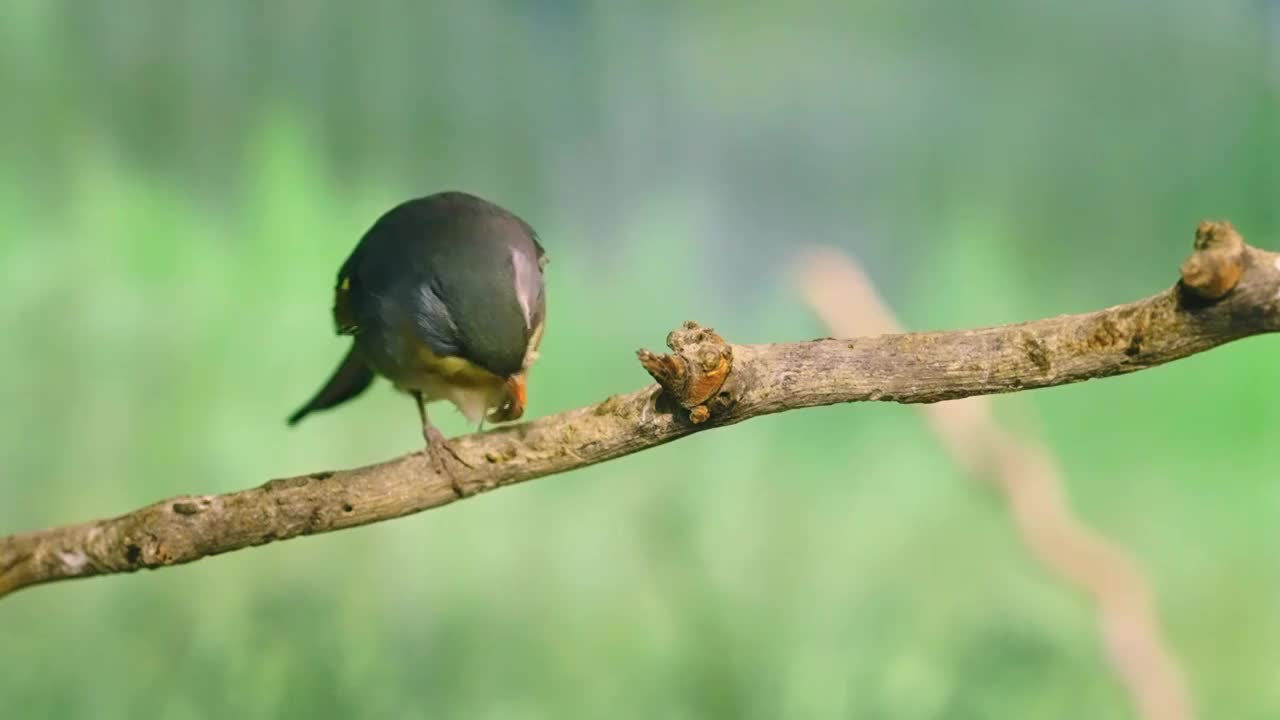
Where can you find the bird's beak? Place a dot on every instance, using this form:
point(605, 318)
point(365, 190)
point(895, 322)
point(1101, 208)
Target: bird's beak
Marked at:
point(513, 408)
point(516, 389)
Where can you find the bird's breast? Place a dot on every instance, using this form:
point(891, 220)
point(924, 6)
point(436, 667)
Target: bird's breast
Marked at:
point(412, 366)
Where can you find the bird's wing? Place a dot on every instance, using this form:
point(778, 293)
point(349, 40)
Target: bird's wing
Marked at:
point(344, 318)
point(529, 289)
point(543, 258)
point(434, 322)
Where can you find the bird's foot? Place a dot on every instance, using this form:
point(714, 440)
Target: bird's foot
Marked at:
point(441, 454)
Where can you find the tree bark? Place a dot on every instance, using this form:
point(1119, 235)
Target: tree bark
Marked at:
point(1227, 291)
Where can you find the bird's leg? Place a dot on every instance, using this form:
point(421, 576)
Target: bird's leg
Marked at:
point(430, 434)
point(437, 445)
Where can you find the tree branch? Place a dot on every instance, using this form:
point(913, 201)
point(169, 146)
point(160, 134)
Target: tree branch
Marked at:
point(1030, 479)
point(1228, 291)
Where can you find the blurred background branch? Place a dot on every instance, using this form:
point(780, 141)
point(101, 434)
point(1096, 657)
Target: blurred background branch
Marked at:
point(1028, 477)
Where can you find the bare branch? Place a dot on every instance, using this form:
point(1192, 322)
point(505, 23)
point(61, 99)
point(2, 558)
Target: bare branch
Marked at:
point(762, 379)
point(1028, 477)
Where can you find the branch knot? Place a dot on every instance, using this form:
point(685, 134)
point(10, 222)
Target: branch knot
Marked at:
point(695, 371)
point(1215, 266)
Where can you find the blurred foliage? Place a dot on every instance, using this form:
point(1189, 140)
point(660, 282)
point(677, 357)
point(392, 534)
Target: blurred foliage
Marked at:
point(179, 182)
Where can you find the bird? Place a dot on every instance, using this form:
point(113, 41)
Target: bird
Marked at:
point(444, 296)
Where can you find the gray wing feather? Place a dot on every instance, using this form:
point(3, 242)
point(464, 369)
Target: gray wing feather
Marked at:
point(435, 324)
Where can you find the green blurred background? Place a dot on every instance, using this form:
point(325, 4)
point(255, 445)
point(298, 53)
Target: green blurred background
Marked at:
point(180, 180)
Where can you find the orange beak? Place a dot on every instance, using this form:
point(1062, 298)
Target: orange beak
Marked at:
point(516, 392)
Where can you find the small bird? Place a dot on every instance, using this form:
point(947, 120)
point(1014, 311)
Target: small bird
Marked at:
point(444, 297)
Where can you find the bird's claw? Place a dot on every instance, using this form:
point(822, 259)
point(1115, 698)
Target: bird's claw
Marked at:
point(436, 451)
point(432, 436)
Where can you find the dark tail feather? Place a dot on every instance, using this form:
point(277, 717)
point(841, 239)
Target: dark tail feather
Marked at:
point(349, 380)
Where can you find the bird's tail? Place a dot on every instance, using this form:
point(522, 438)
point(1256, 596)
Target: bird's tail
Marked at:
point(349, 380)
